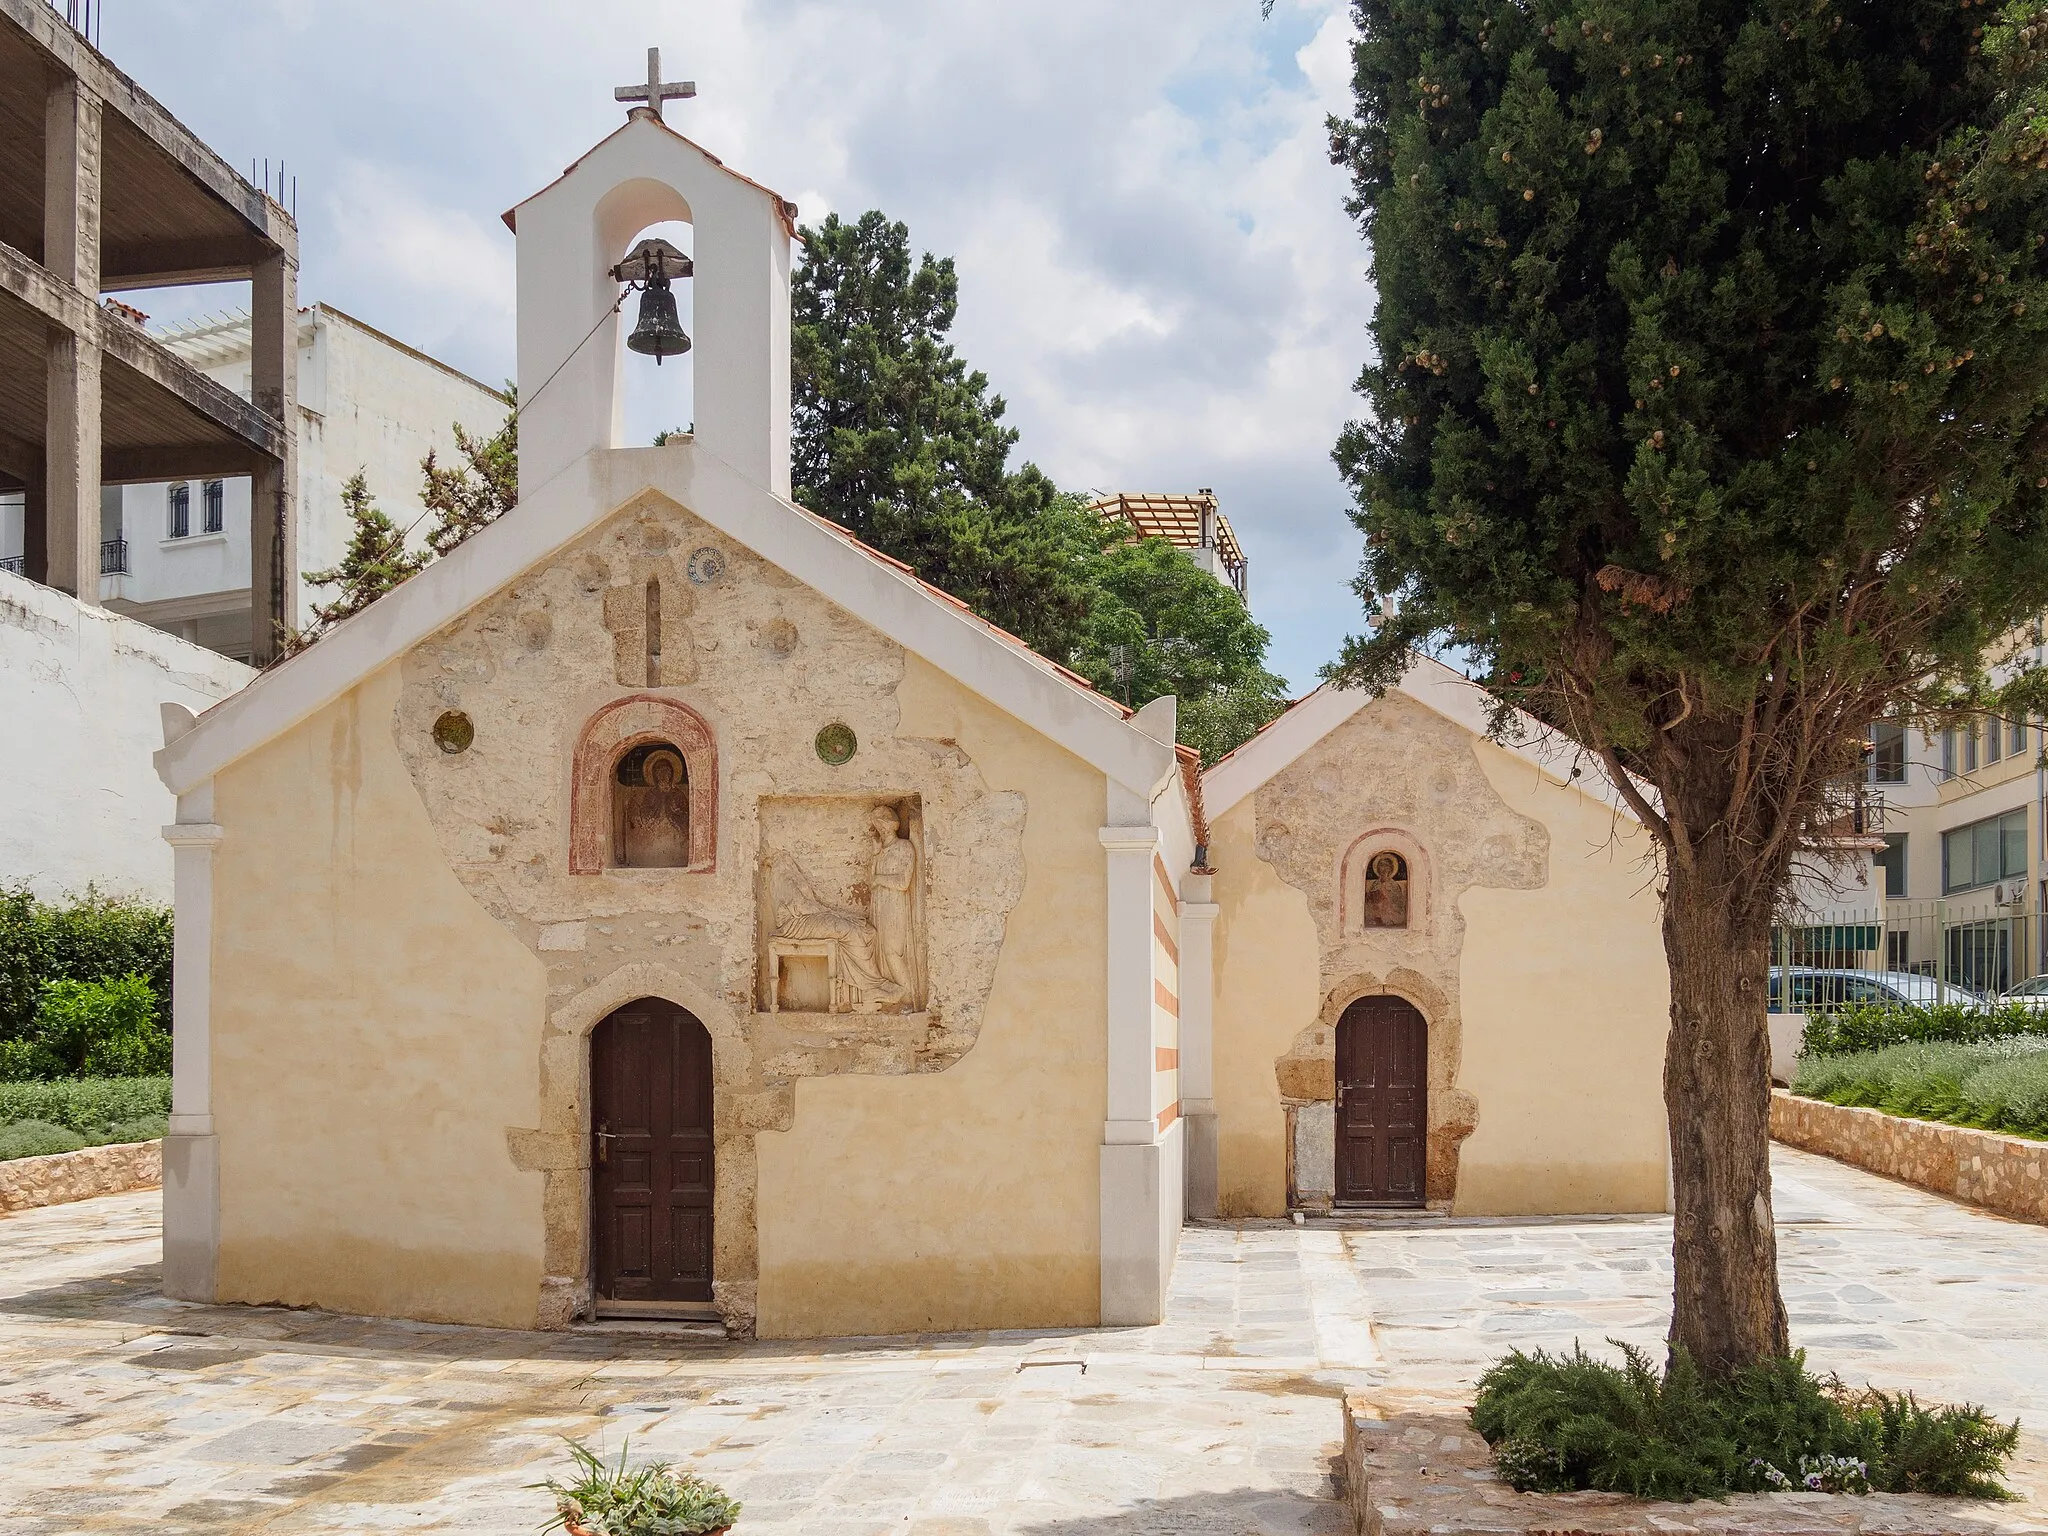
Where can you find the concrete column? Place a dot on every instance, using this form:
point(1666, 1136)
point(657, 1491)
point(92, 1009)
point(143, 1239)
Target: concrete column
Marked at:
point(191, 1150)
point(71, 250)
point(273, 498)
point(1197, 1041)
point(1133, 1170)
point(35, 526)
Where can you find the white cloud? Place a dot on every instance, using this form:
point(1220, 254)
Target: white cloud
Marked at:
point(1155, 265)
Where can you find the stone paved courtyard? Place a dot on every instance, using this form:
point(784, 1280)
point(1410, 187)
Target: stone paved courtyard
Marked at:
point(122, 1411)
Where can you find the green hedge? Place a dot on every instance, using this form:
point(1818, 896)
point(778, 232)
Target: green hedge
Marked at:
point(1995, 1085)
point(86, 1106)
point(94, 938)
point(1872, 1026)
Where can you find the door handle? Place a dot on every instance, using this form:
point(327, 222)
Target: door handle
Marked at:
point(605, 1138)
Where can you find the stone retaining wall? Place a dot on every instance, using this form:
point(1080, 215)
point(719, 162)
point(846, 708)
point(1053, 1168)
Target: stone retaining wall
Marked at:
point(26, 1182)
point(2006, 1174)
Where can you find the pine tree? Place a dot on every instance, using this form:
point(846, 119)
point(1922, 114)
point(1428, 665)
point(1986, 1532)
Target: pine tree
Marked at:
point(1709, 417)
point(468, 497)
point(375, 561)
point(898, 441)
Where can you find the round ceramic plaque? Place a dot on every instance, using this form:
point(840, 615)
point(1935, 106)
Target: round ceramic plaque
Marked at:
point(836, 743)
point(454, 731)
point(706, 565)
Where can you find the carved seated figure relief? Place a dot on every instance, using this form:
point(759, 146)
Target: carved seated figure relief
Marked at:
point(1384, 899)
point(857, 955)
point(651, 809)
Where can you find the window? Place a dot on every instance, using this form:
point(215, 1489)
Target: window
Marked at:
point(1984, 852)
point(1893, 862)
point(1948, 754)
point(1994, 739)
point(1887, 753)
point(181, 511)
point(215, 493)
point(2016, 732)
point(1970, 747)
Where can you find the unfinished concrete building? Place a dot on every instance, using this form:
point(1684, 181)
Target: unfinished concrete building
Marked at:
point(103, 191)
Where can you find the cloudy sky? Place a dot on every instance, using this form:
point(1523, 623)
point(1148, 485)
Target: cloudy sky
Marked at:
point(1156, 271)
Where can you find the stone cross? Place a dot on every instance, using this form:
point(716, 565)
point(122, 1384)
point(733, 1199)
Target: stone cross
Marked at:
point(656, 90)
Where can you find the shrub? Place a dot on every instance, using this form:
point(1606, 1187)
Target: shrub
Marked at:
point(651, 1500)
point(1562, 1422)
point(101, 1029)
point(93, 1107)
point(37, 1138)
point(1997, 1085)
point(94, 938)
point(1872, 1026)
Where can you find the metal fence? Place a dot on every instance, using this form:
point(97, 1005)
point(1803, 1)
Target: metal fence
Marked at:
point(113, 557)
point(1982, 945)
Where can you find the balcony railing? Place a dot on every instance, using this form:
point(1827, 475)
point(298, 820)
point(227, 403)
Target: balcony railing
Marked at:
point(18, 564)
point(113, 557)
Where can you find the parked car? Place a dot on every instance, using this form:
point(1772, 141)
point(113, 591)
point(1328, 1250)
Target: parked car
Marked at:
point(2029, 994)
point(1806, 989)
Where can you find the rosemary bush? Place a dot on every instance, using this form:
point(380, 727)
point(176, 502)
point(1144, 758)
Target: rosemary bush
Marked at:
point(1563, 1422)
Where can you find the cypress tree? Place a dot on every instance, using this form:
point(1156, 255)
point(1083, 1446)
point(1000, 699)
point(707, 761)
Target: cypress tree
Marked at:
point(1707, 419)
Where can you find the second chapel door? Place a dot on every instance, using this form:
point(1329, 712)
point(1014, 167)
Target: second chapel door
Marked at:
point(650, 1120)
point(1382, 1102)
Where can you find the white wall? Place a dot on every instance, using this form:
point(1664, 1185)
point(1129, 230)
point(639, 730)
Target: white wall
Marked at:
point(80, 802)
point(366, 402)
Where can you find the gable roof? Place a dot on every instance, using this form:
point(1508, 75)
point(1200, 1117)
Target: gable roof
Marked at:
point(880, 592)
point(784, 208)
point(1436, 687)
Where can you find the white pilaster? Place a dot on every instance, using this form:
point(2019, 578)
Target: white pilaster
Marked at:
point(1133, 1285)
point(1197, 1041)
point(191, 1150)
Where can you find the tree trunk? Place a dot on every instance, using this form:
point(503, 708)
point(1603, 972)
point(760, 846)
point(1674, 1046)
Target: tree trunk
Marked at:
point(1726, 1309)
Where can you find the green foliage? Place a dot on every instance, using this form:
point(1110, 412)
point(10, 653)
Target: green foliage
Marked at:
point(1562, 1422)
point(93, 938)
point(1160, 624)
point(99, 1029)
point(91, 1106)
point(899, 442)
point(650, 1500)
point(1869, 1026)
point(1994, 1085)
point(375, 561)
point(467, 497)
point(37, 1138)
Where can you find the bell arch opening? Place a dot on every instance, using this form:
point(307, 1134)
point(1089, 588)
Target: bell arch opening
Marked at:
point(657, 384)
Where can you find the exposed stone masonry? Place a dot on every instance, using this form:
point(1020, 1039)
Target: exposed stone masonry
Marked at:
point(27, 1182)
point(2007, 1174)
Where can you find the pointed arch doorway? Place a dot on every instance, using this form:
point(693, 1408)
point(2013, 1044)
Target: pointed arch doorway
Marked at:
point(652, 1175)
point(1382, 1102)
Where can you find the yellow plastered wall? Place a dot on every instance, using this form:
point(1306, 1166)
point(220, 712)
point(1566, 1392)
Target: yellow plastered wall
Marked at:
point(1564, 1001)
point(967, 1198)
point(1566, 1005)
point(374, 1035)
point(1266, 964)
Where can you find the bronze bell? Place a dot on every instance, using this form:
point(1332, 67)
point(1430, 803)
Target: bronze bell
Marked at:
point(659, 332)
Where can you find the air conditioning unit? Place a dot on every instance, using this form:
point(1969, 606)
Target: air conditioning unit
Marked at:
point(2010, 893)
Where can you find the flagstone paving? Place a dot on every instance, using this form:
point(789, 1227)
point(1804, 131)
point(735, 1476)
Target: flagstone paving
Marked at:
point(120, 1410)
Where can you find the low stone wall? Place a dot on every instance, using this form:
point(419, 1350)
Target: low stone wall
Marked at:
point(1428, 1474)
point(27, 1182)
point(2006, 1174)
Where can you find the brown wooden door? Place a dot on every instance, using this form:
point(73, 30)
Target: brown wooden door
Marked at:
point(1382, 1102)
point(650, 1119)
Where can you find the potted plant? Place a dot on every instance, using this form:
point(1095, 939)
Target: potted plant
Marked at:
point(651, 1500)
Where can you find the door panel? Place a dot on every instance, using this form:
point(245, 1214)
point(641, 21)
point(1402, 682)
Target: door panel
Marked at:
point(650, 1077)
point(1382, 1103)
